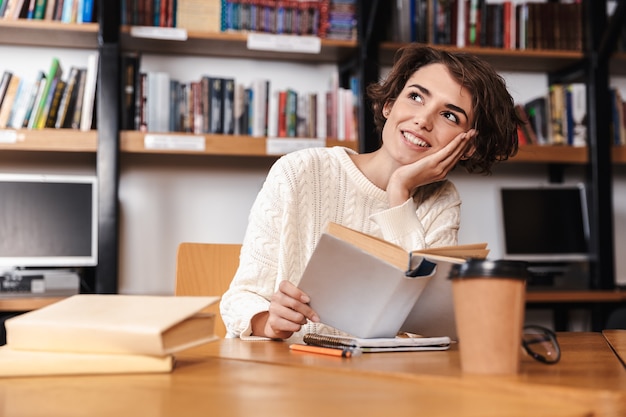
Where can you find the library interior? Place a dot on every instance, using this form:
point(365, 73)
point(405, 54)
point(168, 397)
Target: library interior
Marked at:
point(129, 129)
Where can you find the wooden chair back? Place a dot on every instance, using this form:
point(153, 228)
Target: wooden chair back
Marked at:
point(206, 269)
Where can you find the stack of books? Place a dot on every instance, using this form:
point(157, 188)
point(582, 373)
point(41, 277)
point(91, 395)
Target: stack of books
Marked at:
point(105, 334)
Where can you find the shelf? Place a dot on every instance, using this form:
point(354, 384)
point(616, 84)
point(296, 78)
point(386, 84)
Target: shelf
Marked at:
point(551, 154)
point(49, 34)
point(232, 45)
point(503, 59)
point(55, 140)
point(562, 154)
point(225, 145)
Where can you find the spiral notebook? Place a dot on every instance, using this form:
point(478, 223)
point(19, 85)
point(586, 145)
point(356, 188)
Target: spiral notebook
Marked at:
point(381, 344)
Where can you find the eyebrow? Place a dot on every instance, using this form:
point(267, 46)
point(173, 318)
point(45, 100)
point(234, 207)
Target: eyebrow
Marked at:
point(426, 92)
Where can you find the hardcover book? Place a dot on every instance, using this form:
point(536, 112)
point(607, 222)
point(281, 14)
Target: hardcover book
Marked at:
point(114, 324)
point(18, 363)
point(370, 288)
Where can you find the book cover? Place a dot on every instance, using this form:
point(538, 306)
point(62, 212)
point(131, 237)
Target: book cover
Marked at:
point(34, 96)
point(367, 287)
point(4, 84)
point(86, 116)
point(68, 98)
point(537, 111)
point(125, 324)
point(77, 107)
point(49, 12)
point(215, 105)
point(55, 102)
point(228, 106)
point(16, 119)
point(199, 15)
point(157, 101)
point(54, 73)
point(9, 99)
point(526, 127)
point(40, 9)
point(558, 114)
point(19, 363)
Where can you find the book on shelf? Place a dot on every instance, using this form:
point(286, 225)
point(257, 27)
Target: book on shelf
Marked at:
point(618, 124)
point(8, 99)
point(91, 79)
point(68, 99)
point(54, 73)
point(577, 114)
point(228, 106)
point(401, 343)
point(114, 324)
point(368, 287)
point(18, 112)
point(157, 99)
point(129, 70)
point(35, 94)
point(199, 15)
point(4, 84)
point(76, 108)
point(55, 102)
point(525, 127)
point(215, 110)
point(537, 111)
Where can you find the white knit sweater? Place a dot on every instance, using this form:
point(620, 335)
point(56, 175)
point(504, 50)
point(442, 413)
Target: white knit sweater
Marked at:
point(303, 192)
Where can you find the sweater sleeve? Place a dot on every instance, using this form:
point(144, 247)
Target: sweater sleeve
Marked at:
point(431, 218)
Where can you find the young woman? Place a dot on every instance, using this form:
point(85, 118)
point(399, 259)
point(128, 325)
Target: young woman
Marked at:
point(434, 110)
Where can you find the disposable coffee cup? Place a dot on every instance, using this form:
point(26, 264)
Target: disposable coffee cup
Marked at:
point(489, 305)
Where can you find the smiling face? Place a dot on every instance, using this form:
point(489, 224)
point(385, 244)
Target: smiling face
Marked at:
point(430, 111)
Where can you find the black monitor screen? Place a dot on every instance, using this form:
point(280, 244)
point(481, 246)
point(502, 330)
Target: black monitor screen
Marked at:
point(548, 223)
point(47, 221)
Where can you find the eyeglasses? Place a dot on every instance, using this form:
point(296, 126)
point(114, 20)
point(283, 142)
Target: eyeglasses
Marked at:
point(541, 344)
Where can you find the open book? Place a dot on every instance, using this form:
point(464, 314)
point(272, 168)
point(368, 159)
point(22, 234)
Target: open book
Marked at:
point(369, 288)
point(95, 334)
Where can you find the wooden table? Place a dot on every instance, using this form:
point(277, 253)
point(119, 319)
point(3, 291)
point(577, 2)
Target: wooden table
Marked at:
point(243, 378)
point(26, 303)
point(617, 340)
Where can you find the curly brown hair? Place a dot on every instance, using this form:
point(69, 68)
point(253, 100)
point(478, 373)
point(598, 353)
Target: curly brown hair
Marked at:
point(495, 117)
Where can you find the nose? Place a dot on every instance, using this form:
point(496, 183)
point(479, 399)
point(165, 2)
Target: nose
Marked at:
point(423, 118)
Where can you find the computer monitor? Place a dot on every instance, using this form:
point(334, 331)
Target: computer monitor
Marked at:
point(547, 223)
point(48, 221)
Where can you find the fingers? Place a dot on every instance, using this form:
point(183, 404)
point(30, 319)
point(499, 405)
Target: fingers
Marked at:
point(288, 311)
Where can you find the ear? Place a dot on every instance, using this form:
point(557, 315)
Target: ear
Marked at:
point(387, 109)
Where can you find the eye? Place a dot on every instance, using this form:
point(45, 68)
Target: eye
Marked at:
point(451, 116)
point(415, 96)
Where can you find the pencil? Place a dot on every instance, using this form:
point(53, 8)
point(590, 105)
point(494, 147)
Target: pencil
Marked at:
point(341, 352)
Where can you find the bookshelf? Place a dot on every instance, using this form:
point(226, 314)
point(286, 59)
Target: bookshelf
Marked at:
point(592, 65)
point(365, 57)
point(55, 145)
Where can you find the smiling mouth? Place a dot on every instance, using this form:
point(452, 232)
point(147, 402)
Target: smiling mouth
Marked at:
point(415, 140)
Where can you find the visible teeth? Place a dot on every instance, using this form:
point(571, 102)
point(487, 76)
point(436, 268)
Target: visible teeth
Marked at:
point(415, 140)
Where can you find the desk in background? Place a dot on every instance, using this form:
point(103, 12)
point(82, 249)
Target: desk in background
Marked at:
point(600, 304)
point(266, 379)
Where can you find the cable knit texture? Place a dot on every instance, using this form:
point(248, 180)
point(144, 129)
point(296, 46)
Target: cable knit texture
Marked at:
point(303, 192)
